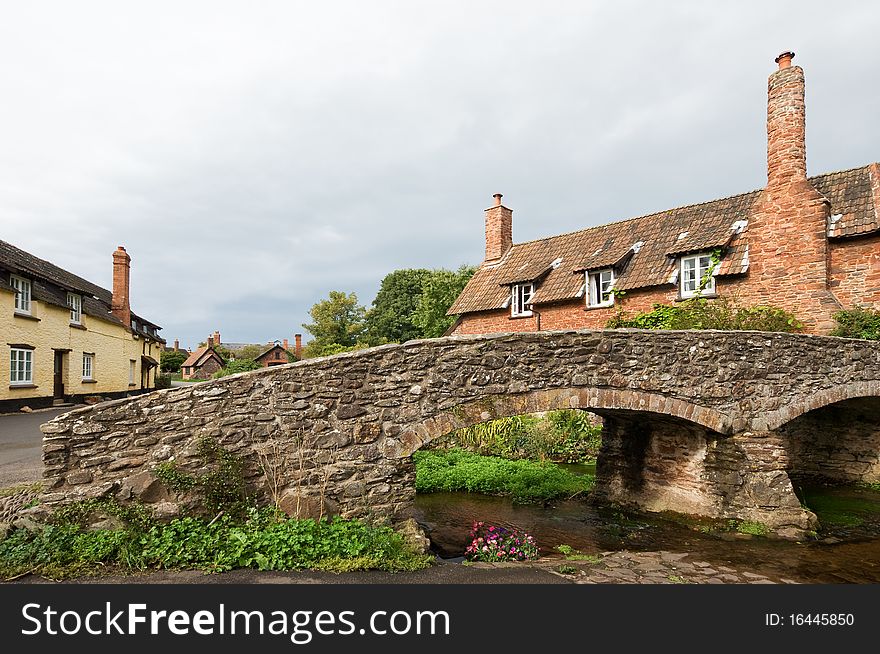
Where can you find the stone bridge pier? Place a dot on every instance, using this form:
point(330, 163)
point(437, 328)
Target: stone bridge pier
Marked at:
point(715, 424)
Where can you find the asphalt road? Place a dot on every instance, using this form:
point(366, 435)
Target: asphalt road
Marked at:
point(20, 446)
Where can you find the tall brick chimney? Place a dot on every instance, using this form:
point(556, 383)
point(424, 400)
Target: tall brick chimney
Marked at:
point(210, 342)
point(216, 337)
point(176, 345)
point(787, 232)
point(298, 348)
point(786, 123)
point(285, 344)
point(120, 304)
point(499, 230)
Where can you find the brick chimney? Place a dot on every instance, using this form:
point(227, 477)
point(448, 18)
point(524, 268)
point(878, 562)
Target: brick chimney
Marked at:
point(120, 304)
point(285, 344)
point(787, 232)
point(176, 345)
point(499, 230)
point(786, 123)
point(298, 348)
point(216, 337)
point(210, 342)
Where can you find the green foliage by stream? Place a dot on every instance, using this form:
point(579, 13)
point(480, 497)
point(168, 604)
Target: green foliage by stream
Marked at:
point(266, 540)
point(565, 436)
point(526, 481)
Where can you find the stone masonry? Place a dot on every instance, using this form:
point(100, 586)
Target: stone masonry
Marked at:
point(692, 419)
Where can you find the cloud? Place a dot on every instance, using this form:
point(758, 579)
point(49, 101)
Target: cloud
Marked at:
point(253, 158)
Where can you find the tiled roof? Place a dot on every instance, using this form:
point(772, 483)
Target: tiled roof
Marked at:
point(662, 236)
point(853, 210)
point(198, 357)
point(50, 284)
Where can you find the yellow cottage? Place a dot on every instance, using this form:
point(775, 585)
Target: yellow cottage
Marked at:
point(65, 339)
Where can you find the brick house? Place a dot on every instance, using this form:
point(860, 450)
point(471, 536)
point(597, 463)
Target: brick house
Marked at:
point(810, 245)
point(67, 339)
point(276, 355)
point(203, 362)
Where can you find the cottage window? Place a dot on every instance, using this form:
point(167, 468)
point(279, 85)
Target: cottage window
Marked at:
point(521, 298)
point(22, 294)
point(74, 301)
point(21, 367)
point(600, 285)
point(88, 366)
point(697, 275)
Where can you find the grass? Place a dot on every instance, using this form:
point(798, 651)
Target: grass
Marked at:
point(752, 528)
point(572, 554)
point(14, 490)
point(840, 509)
point(266, 540)
point(525, 481)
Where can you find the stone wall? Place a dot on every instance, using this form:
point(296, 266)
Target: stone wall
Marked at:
point(345, 426)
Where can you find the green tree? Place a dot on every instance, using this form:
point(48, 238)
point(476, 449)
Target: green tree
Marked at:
point(250, 351)
point(238, 365)
point(172, 360)
point(390, 319)
point(338, 319)
point(439, 291)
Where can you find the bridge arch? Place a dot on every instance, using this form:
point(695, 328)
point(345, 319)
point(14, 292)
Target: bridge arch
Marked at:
point(817, 400)
point(491, 407)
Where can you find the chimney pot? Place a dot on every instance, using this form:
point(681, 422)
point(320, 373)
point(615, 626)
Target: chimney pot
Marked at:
point(784, 60)
point(498, 197)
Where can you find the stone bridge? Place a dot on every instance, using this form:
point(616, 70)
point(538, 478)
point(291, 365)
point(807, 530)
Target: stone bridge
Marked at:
point(709, 423)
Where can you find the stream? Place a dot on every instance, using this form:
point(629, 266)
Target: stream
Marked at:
point(847, 548)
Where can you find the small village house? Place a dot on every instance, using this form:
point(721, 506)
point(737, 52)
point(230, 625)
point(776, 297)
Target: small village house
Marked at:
point(809, 245)
point(67, 339)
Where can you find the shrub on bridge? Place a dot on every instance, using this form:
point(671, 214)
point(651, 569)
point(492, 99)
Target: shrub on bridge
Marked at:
point(858, 323)
point(701, 313)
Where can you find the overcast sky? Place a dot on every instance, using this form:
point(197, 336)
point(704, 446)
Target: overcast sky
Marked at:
point(253, 156)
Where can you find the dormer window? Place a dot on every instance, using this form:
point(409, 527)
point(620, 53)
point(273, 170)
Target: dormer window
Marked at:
point(521, 300)
point(600, 284)
point(74, 302)
point(22, 289)
point(696, 276)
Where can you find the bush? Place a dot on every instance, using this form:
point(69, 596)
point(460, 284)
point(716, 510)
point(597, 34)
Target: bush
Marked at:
point(163, 381)
point(858, 323)
point(566, 436)
point(700, 313)
point(526, 481)
point(267, 540)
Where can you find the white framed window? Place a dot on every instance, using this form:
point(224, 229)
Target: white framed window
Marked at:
point(21, 366)
point(88, 366)
point(22, 293)
point(696, 269)
point(521, 299)
point(131, 371)
point(600, 285)
point(74, 301)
